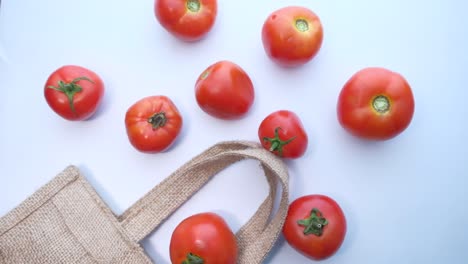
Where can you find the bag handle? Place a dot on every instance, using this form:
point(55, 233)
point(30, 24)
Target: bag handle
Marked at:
point(255, 238)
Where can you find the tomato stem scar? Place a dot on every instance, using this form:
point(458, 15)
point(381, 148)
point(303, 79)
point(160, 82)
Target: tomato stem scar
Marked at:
point(193, 5)
point(276, 143)
point(193, 259)
point(381, 104)
point(158, 120)
point(205, 74)
point(70, 89)
point(314, 224)
point(302, 25)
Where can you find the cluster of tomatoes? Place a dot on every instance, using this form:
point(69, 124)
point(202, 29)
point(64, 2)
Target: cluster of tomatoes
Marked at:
point(374, 104)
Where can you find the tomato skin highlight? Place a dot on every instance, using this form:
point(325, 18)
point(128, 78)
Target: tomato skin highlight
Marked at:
point(224, 90)
point(188, 20)
point(153, 124)
point(315, 247)
point(285, 128)
point(204, 236)
point(360, 98)
point(292, 36)
point(86, 92)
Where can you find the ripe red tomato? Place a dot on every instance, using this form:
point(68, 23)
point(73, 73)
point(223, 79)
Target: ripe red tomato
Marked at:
point(74, 92)
point(189, 20)
point(224, 90)
point(203, 238)
point(282, 133)
point(315, 226)
point(153, 124)
point(376, 104)
point(292, 36)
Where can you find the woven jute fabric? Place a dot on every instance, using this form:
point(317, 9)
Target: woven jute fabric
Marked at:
point(66, 221)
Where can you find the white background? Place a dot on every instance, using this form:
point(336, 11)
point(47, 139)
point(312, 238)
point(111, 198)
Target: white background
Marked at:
point(405, 199)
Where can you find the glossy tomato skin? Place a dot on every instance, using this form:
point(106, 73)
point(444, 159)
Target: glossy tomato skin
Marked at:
point(292, 36)
point(370, 88)
point(224, 90)
point(285, 129)
point(188, 20)
point(86, 89)
point(206, 236)
point(321, 243)
point(153, 124)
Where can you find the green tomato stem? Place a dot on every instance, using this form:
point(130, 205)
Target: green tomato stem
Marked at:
point(193, 259)
point(70, 89)
point(276, 143)
point(314, 224)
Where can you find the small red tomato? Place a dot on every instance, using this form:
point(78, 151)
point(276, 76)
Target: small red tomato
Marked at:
point(315, 226)
point(74, 92)
point(282, 133)
point(189, 20)
point(153, 124)
point(292, 36)
point(375, 103)
point(224, 90)
point(203, 238)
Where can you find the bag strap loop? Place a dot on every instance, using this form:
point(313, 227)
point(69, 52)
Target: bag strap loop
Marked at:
point(256, 237)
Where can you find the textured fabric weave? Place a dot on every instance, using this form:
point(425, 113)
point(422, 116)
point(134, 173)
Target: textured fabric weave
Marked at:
point(67, 222)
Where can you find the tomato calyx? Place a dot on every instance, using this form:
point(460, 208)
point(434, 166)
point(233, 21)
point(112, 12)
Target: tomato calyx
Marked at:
point(70, 89)
point(158, 120)
point(193, 5)
point(314, 223)
point(276, 143)
point(302, 25)
point(381, 104)
point(193, 259)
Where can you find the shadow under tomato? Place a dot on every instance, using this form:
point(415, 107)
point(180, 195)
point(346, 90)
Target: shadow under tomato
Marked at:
point(358, 142)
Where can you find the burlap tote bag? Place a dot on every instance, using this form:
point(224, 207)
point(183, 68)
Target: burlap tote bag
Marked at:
point(67, 222)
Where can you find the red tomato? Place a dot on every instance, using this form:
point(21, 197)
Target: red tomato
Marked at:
point(74, 92)
point(282, 133)
point(203, 238)
point(292, 36)
point(153, 124)
point(315, 226)
point(375, 104)
point(189, 20)
point(224, 90)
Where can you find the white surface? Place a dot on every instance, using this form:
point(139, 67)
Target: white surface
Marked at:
point(405, 199)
